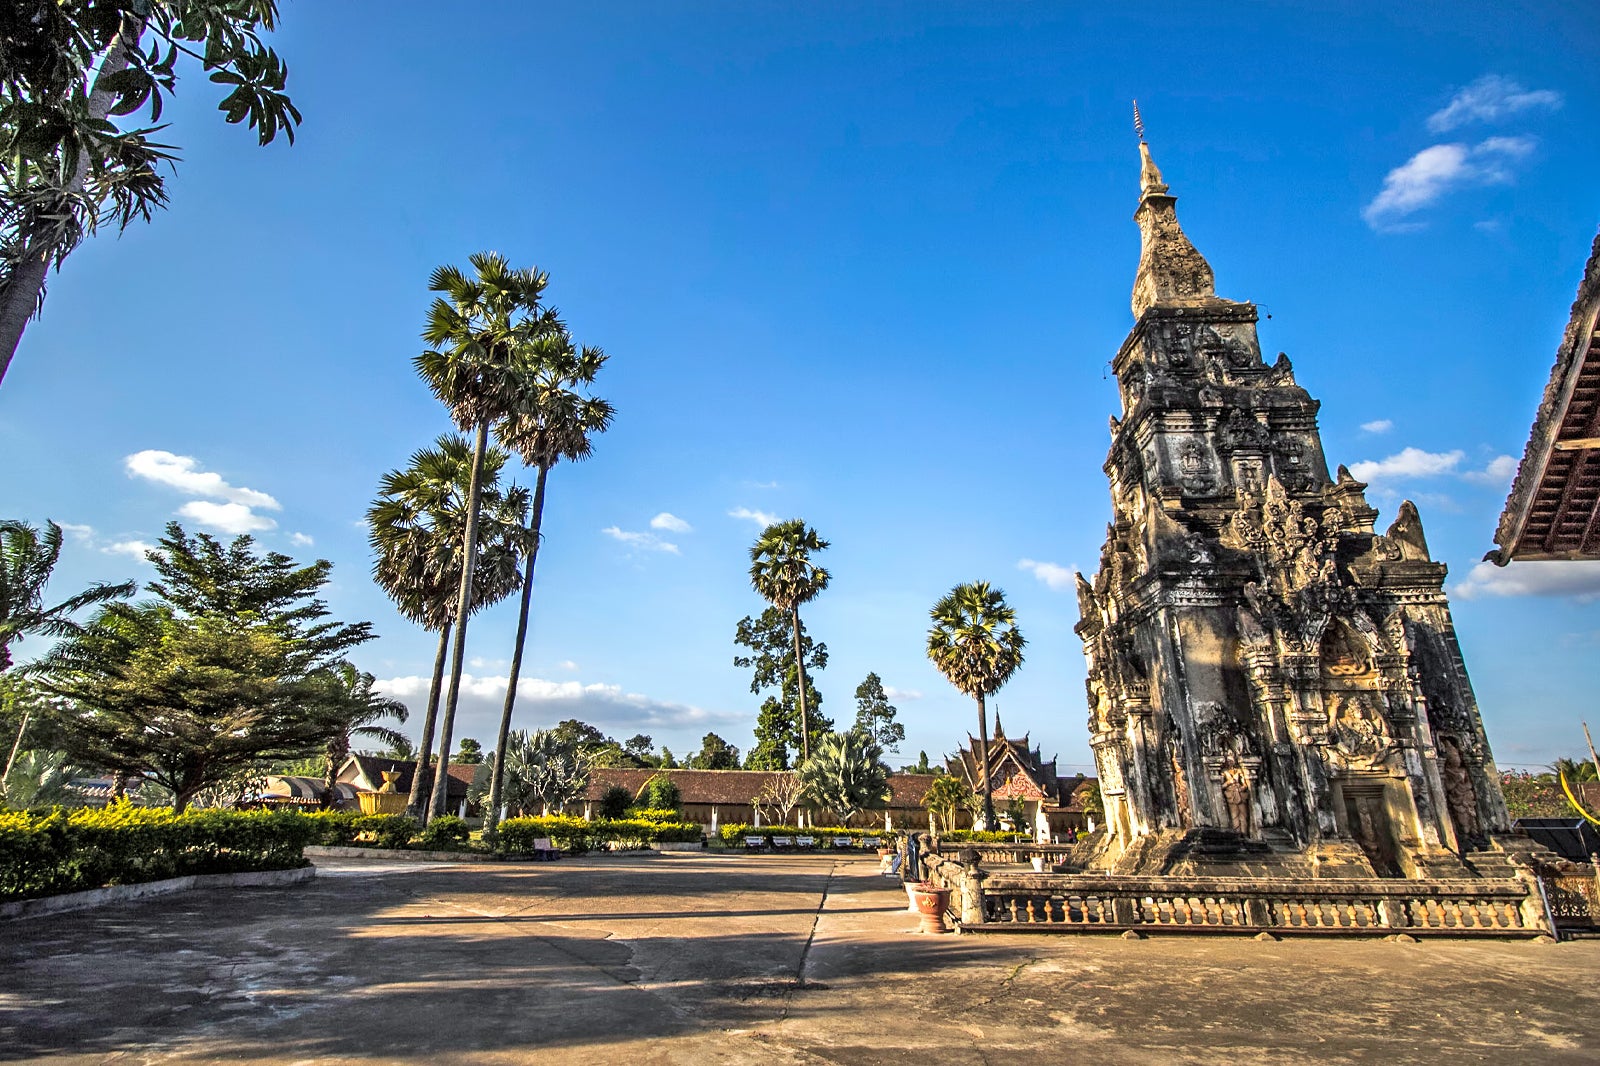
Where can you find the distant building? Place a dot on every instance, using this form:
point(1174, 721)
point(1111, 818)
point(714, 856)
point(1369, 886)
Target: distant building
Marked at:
point(365, 774)
point(1053, 806)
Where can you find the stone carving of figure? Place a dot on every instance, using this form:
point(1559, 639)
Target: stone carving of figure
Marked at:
point(1360, 734)
point(1197, 548)
point(1458, 790)
point(1236, 793)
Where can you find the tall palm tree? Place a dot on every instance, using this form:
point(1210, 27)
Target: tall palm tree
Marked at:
point(976, 645)
point(26, 562)
point(553, 421)
point(782, 572)
point(481, 334)
point(416, 527)
point(361, 712)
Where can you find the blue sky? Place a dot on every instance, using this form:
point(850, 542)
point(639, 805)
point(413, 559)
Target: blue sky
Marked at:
point(865, 267)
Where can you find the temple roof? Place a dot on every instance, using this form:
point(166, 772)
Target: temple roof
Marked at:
point(1553, 511)
point(1016, 768)
point(1172, 272)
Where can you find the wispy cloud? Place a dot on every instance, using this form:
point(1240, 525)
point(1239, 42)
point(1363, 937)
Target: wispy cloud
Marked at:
point(135, 549)
point(760, 518)
point(1052, 574)
point(1378, 425)
point(80, 533)
point(901, 693)
point(89, 538)
point(567, 664)
point(1439, 169)
point(1499, 471)
point(236, 511)
point(642, 541)
point(1492, 98)
point(1408, 463)
point(234, 518)
point(301, 540)
point(671, 523)
point(760, 484)
point(1577, 579)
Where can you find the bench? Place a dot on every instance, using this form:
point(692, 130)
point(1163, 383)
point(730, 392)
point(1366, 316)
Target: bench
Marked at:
point(843, 842)
point(872, 842)
point(751, 843)
point(544, 850)
point(805, 842)
point(783, 842)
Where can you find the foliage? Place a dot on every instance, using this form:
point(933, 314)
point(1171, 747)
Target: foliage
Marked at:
point(845, 774)
point(733, 833)
point(47, 853)
point(26, 562)
point(641, 749)
point(615, 802)
point(231, 666)
point(655, 814)
point(782, 573)
point(39, 779)
point(770, 639)
point(1094, 803)
point(575, 835)
point(358, 711)
point(68, 70)
point(715, 754)
point(1534, 795)
point(982, 836)
point(469, 752)
point(544, 771)
point(444, 832)
point(922, 766)
point(875, 715)
point(346, 829)
point(660, 793)
point(947, 795)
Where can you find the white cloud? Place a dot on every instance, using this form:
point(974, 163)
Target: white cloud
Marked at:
point(607, 707)
point(567, 664)
point(1578, 579)
point(1499, 471)
point(1436, 170)
point(642, 541)
point(760, 484)
point(1409, 462)
point(670, 522)
point(901, 693)
point(1056, 576)
point(235, 518)
point(183, 473)
point(1379, 425)
point(301, 540)
point(79, 533)
point(760, 518)
point(1490, 99)
point(133, 548)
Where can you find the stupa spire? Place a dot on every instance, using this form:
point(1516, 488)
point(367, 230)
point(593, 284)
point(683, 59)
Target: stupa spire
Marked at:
point(1171, 270)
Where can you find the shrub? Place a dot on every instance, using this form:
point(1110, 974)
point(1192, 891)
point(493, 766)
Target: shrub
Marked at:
point(660, 793)
point(335, 829)
point(388, 830)
point(733, 833)
point(653, 814)
point(517, 835)
point(615, 802)
point(47, 853)
point(445, 832)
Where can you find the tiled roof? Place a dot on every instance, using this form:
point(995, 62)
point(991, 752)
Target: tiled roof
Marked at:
point(371, 768)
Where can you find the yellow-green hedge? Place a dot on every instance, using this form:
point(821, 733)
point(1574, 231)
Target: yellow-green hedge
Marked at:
point(45, 854)
point(517, 835)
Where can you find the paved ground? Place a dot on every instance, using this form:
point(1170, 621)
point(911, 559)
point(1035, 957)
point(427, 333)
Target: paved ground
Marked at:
point(706, 959)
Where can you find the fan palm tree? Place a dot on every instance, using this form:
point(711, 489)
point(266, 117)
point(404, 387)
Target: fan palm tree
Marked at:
point(483, 333)
point(553, 421)
point(26, 562)
point(416, 527)
point(782, 572)
point(976, 645)
point(361, 712)
point(846, 774)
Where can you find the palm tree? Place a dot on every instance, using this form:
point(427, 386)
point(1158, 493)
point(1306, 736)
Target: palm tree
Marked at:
point(781, 571)
point(26, 562)
point(551, 422)
point(976, 645)
point(360, 712)
point(846, 774)
point(416, 527)
point(482, 334)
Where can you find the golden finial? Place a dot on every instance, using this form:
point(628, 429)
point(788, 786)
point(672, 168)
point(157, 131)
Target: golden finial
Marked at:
point(1138, 123)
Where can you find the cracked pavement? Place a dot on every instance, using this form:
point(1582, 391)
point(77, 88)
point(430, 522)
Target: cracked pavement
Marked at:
point(705, 959)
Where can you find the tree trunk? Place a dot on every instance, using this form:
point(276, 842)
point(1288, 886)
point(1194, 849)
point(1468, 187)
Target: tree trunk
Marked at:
point(491, 816)
point(21, 298)
point(22, 731)
point(983, 756)
point(458, 650)
point(800, 673)
point(338, 748)
point(421, 782)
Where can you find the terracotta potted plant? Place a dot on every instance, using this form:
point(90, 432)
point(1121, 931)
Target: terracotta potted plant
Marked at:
point(932, 901)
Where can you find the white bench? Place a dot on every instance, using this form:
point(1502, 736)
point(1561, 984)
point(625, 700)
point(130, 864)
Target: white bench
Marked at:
point(843, 842)
point(805, 842)
point(753, 842)
point(783, 842)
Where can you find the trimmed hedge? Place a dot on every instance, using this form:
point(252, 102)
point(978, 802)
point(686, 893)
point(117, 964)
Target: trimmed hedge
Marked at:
point(352, 829)
point(46, 854)
point(569, 833)
point(734, 833)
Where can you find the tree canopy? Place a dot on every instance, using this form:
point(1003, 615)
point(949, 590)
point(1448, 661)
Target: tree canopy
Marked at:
point(715, 754)
point(771, 658)
point(875, 715)
point(846, 774)
point(783, 573)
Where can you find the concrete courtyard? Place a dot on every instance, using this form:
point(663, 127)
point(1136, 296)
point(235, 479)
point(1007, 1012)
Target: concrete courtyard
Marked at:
point(704, 959)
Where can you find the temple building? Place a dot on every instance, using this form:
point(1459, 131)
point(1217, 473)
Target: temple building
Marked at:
point(1050, 807)
point(1273, 685)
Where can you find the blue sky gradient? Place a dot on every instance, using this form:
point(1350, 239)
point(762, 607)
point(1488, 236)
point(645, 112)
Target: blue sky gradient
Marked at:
point(863, 267)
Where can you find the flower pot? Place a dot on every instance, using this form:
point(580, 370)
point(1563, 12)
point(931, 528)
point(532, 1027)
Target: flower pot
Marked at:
point(911, 897)
point(932, 902)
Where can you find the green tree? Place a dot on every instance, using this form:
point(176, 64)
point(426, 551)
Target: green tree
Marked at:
point(416, 527)
point(770, 640)
point(357, 711)
point(875, 715)
point(976, 645)
point(26, 563)
point(225, 670)
point(484, 335)
point(469, 752)
point(782, 573)
point(641, 749)
point(846, 774)
point(660, 793)
point(69, 70)
point(552, 420)
point(715, 754)
point(945, 797)
point(922, 766)
point(543, 772)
